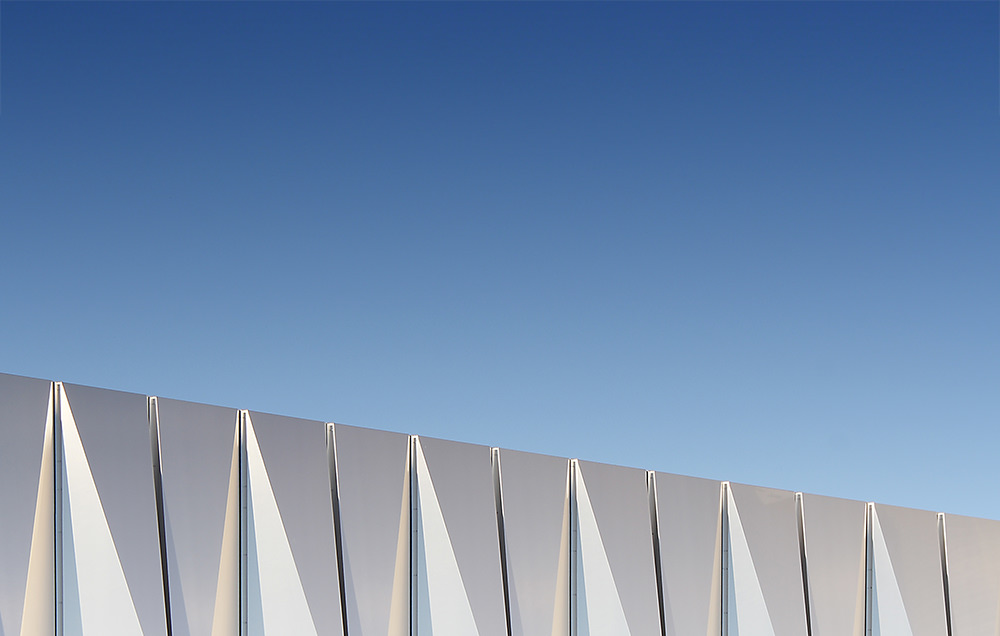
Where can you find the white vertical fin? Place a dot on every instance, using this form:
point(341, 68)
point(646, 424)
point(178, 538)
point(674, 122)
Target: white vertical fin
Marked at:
point(605, 615)
point(106, 606)
point(890, 617)
point(752, 618)
point(38, 617)
point(450, 612)
point(560, 613)
point(226, 614)
point(399, 609)
point(282, 600)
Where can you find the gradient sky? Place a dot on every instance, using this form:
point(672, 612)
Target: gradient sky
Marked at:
point(750, 241)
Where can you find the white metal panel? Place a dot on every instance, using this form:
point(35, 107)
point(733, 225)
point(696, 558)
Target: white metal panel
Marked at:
point(114, 434)
point(913, 546)
point(535, 491)
point(196, 452)
point(296, 471)
point(770, 529)
point(461, 478)
point(973, 548)
point(24, 404)
point(618, 499)
point(834, 533)
point(374, 497)
point(689, 524)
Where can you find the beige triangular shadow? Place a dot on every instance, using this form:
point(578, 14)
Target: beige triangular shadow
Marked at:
point(105, 603)
point(889, 615)
point(560, 613)
point(450, 612)
point(399, 609)
point(226, 617)
point(283, 605)
point(603, 608)
point(751, 611)
point(38, 617)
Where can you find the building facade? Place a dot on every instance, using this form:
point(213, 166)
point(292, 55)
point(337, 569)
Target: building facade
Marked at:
point(122, 514)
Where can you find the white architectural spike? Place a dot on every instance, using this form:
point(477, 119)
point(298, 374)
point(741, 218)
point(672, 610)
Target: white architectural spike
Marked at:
point(751, 615)
point(38, 617)
point(92, 570)
point(601, 613)
point(444, 608)
point(226, 613)
point(889, 613)
point(283, 607)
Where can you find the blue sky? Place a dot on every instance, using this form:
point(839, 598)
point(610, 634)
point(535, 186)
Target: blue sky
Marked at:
point(750, 241)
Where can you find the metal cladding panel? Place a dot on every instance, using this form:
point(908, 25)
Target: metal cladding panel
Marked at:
point(296, 457)
point(913, 544)
point(619, 498)
point(536, 536)
point(689, 521)
point(973, 548)
point(196, 452)
point(770, 524)
point(834, 533)
point(114, 431)
point(462, 476)
point(374, 499)
point(23, 408)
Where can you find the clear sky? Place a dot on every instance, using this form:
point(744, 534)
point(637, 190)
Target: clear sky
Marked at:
point(750, 241)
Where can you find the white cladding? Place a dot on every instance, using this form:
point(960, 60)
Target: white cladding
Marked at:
point(689, 527)
point(127, 515)
point(834, 537)
point(536, 523)
point(26, 412)
point(973, 557)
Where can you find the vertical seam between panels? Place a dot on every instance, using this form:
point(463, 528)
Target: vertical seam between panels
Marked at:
point(800, 522)
point(414, 566)
point(244, 518)
point(943, 543)
point(501, 533)
point(153, 413)
point(331, 449)
point(654, 528)
point(57, 518)
point(574, 551)
point(724, 587)
point(869, 570)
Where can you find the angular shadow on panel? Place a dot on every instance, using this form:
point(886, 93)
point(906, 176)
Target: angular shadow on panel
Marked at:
point(908, 597)
point(373, 493)
point(973, 562)
point(27, 492)
point(834, 539)
point(689, 530)
point(459, 587)
point(615, 566)
point(765, 568)
point(536, 526)
point(109, 530)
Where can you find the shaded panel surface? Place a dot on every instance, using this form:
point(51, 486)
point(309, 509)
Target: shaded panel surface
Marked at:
point(834, 533)
point(973, 547)
point(462, 477)
point(619, 501)
point(911, 539)
point(23, 407)
point(770, 525)
point(114, 430)
point(196, 452)
point(298, 469)
point(536, 531)
point(373, 491)
point(689, 521)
